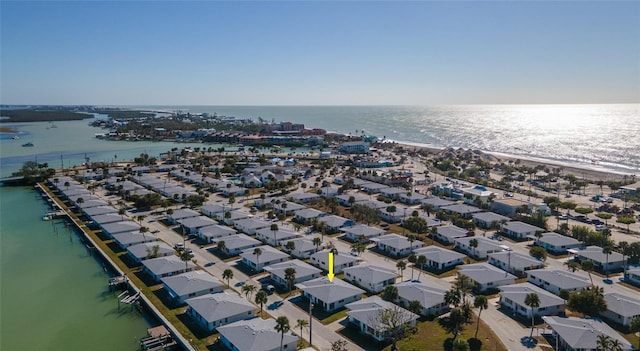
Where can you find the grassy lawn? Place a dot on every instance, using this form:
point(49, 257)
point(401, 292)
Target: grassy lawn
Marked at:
point(334, 317)
point(431, 336)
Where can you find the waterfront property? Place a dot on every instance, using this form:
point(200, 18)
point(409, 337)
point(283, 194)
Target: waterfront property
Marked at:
point(141, 252)
point(214, 310)
point(513, 298)
point(621, 309)
point(557, 244)
point(365, 315)
point(330, 296)
point(486, 276)
point(581, 334)
point(303, 272)
point(111, 229)
point(514, 262)
point(431, 298)
point(255, 335)
point(372, 278)
point(158, 268)
point(396, 245)
point(440, 259)
point(601, 262)
point(341, 261)
point(133, 238)
point(268, 257)
point(555, 280)
point(191, 284)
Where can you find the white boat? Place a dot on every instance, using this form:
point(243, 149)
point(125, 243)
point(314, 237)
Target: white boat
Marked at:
point(15, 137)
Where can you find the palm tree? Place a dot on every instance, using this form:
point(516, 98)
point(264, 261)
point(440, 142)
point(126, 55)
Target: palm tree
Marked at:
point(480, 302)
point(248, 289)
point(451, 297)
point(227, 274)
point(122, 212)
point(634, 327)
point(587, 266)
point(532, 300)
point(415, 306)
point(412, 259)
point(185, 256)
point(604, 342)
point(274, 229)
point(401, 265)
point(421, 261)
point(290, 277)
point(222, 246)
point(302, 323)
point(607, 250)
point(473, 243)
point(261, 299)
point(623, 246)
point(317, 242)
point(282, 326)
point(615, 345)
point(257, 252)
point(460, 345)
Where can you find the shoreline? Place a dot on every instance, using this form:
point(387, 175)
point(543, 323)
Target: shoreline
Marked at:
point(590, 173)
point(8, 130)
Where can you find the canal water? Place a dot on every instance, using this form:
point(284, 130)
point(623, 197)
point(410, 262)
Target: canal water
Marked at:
point(53, 293)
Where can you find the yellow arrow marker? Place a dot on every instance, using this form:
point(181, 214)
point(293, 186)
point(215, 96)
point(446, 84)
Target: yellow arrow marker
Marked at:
point(330, 275)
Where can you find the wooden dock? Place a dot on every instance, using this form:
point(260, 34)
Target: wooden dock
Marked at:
point(158, 338)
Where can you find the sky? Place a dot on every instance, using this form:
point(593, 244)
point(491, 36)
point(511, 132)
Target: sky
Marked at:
point(319, 53)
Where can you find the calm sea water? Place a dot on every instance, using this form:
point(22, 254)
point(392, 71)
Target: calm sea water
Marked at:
point(53, 294)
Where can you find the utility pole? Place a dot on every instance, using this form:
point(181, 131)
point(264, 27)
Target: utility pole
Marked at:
point(310, 322)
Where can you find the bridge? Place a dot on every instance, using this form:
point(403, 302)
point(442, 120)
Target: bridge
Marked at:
point(12, 180)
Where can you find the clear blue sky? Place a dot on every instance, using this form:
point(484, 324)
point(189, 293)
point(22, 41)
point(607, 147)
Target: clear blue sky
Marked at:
point(319, 53)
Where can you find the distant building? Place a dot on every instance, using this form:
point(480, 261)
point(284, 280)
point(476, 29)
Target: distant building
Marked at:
point(354, 147)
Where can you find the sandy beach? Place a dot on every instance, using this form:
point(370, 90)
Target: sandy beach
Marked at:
point(7, 130)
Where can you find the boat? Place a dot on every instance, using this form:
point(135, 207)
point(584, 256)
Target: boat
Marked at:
point(15, 137)
point(29, 144)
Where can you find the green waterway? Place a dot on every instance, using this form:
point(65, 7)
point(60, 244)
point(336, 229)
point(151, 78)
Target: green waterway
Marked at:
point(53, 294)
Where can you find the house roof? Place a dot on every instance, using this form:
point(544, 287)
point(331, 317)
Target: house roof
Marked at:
point(484, 273)
point(217, 230)
point(196, 222)
point(254, 335)
point(368, 310)
point(107, 218)
point(128, 238)
point(308, 213)
point(515, 259)
point(238, 241)
point(461, 209)
point(91, 203)
point(334, 221)
point(555, 239)
point(280, 234)
point(268, 254)
point(191, 282)
point(338, 259)
point(452, 232)
point(521, 227)
point(518, 294)
point(438, 254)
point(437, 202)
point(362, 229)
point(489, 217)
point(397, 241)
point(215, 208)
point(484, 244)
point(428, 296)
point(622, 304)
point(582, 333)
point(560, 278)
point(142, 250)
point(302, 269)
point(595, 254)
point(98, 210)
point(251, 223)
point(329, 292)
point(303, 196)
point(371, 273)
point(120, 227)
point(302, 244)
point(167, 264)
point(218, 306)
point(183, 213)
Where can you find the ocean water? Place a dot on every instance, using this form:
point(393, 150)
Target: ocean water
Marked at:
point(605, 136)
point(53, 294)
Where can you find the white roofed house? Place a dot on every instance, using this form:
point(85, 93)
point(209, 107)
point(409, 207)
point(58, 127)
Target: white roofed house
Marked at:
point(235, 244)
point(464, 211)
point(303, 272)
point(519, 230)
point(304, 198)
point(411, 198)
point(515, 263)
point(158, 268)
point(110, 229)
point(447, 234)
point(234, 217)
point(632, 275)
point(287, 207)
point(209, 233)
point(436, 203)
point(341, 261)
point(277, 238)
point(181, 214)
point(192, 225)
point(233, 190)
point(581, 334)
point(396, 245)
point(486, 276)
point(305, 216)
point(255, 334)
point(440, 259)
point(621, 309)
point(372, 187)
point(487, 220)
point(215, 210)
point(372, 278)
point(127, 239)
point(302, 248)
point(102, 219)
point(330, 296)
point(366, 315)
point(267, 257)
point(191, 284)
point(431, 298)
point(393, 193)
point(484, 248)
point(355, 232)
point(250, 225)
point(557, 243)
point(555, 280)
point(335, 223)
point(214, 310)
point(601, 262)
point(513, 298)
point(141, 252)
point(357, 197)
